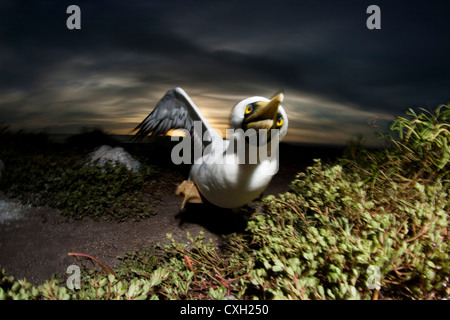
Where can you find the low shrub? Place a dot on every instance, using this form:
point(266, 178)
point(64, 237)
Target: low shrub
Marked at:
point(61, 179)
point(330, 237)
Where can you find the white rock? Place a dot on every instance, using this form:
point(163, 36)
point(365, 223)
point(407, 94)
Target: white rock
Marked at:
point(11, 210)
point(116, 156)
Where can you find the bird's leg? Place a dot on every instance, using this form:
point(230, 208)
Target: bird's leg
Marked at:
point(189, 191)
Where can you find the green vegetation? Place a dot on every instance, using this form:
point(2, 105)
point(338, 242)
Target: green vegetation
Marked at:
point(42, 173)
point(371, 225)
point(78, 190)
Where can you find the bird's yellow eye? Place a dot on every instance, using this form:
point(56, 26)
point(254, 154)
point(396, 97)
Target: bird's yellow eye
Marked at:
point(248, 109)
point(280, 122)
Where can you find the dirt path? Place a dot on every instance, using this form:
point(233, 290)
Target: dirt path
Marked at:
point(35, 246)
point(34, 241)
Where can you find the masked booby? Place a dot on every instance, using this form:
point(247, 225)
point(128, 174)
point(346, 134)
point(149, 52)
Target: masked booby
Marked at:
point(229, 172)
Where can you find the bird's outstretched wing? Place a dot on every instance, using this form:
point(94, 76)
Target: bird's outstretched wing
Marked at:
point(176, 110)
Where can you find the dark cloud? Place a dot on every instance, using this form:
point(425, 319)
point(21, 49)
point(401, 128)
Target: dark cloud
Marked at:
point(127, 54)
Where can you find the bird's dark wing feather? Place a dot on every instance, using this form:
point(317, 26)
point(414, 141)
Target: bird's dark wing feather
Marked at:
point(176, 110)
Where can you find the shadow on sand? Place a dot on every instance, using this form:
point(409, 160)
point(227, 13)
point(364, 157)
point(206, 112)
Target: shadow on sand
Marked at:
point(215, 219)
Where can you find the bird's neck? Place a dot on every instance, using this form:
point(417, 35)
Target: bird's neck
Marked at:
point(251, 151)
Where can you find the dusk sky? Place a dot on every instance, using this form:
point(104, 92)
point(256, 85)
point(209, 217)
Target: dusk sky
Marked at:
point(337, 75)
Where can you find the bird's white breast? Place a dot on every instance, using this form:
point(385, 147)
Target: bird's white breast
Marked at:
point(227, 182)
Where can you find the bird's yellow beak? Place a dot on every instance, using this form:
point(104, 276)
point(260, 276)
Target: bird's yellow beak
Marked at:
point(265, 114)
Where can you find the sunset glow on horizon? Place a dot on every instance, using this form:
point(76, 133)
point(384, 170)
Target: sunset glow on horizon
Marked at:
point(337, 74)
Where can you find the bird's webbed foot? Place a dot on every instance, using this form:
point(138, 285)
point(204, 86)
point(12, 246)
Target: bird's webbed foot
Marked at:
point(189, 191)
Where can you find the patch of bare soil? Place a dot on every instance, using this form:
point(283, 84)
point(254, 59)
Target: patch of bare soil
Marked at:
point(35, 241)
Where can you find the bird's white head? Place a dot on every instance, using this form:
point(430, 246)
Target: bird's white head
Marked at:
point(261, 113)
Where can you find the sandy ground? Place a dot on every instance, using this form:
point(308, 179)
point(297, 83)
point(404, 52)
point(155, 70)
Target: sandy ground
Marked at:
point(35, 241)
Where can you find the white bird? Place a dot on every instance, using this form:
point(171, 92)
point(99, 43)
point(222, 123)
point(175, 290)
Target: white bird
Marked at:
point(229, 172)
